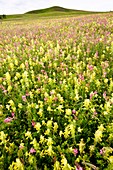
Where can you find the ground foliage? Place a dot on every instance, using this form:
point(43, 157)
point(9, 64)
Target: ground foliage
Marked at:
point(56, 94)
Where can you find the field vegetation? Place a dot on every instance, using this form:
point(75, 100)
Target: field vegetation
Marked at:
point(56, 93)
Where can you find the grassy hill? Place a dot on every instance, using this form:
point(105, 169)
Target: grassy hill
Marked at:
point(52, 12)
point(51, 9)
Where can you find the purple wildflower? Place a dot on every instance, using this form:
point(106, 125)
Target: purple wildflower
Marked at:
point(75, 151)
point(90, 67)
point(74, 111)
point(104, 95)
point(32, 150)
point(33, 123)
point(24, 98)
point(102, 151)
point(8, 119)
point(78, 167)
point(21, 147)
point(13, 114)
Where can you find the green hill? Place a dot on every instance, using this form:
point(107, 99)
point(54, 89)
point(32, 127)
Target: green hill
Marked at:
point(52, 12)
point(53, 9)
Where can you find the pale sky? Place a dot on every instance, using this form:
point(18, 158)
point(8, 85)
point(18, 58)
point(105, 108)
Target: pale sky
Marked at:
point(22, 6)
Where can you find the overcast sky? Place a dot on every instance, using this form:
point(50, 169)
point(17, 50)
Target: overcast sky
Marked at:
point(22, 6)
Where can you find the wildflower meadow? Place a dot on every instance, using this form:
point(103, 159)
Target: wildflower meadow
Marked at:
point(56, 93)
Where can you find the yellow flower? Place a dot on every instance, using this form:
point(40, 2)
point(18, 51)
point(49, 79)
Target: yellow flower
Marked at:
point(60, 107)
point(63, 160)
point(20, 105)
point(92, 148)
point(64, 164)
point(17, 165)
point(67, 167)
point(86, 103)
point(111, 86)
point(92, 77)
point(1, 110)
point(4, 83)
point(35, 144)
point(111, 159)
point(101, 127)
point(72, 130)
point(49, 109)
point(8, 107)
point(61, 133)
point(105, 80)
point(98, 134)
point(0, 79)
point(22, 66)
point(11, 65)
point(111, 100)
point(81, 146)
point(43, 122)
point(57, 166)
point(107, 106)
point(8, 77)
point(16, 62)
point(49, 151)
point(25, 75)
point(11, 103)
point(9, 88)
point(98, 83)
point(68, 112)
point(37, 126)
point(49, 124)
point(2, 137)
point(41, 139)
point(49, 141)
point(31, 159)
point(46, 94)
point(31, 95)
point(28, 135)
point(55, 127)
point(47, 132)
point(18, 75)
point(13, 109)
point(80, 130)
point(66, 132)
